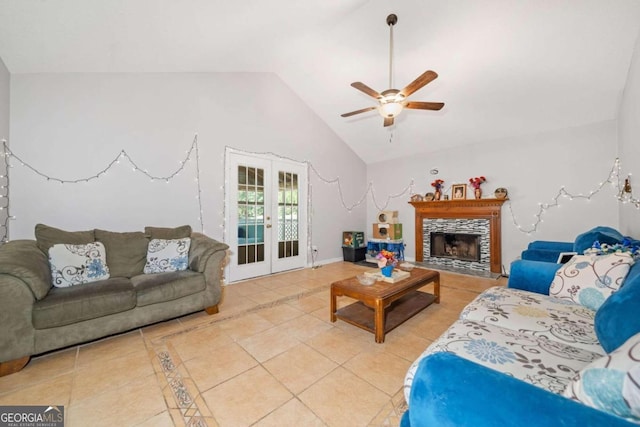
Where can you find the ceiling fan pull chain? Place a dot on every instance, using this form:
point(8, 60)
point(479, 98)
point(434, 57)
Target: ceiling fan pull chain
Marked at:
point(391, 138)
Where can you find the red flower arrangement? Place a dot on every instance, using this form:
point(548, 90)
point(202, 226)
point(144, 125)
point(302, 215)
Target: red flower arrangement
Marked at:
point(437, 184)
point(475, 182)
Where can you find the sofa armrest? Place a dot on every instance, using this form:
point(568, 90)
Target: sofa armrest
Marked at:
point(23, 260)
point(202, 248)
point(533, 276)
point(208, 256)
point(451, 391)
point(24, 278)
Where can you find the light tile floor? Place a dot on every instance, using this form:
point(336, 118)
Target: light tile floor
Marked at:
point(271, 357)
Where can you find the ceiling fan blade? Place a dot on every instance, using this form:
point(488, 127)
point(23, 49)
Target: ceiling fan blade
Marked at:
point(366, 89)
point(418, 105)
point(426, 78)
point(388, 121)
point(352, 113)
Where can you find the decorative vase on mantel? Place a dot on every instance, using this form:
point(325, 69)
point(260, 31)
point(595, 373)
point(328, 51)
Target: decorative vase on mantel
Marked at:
point(387, 270)
point(478, 193)
point(437, 195)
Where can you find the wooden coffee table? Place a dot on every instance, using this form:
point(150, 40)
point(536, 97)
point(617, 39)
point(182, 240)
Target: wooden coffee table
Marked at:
point(383, 306)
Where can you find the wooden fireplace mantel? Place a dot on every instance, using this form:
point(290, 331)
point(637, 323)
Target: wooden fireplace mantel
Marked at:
point(458, 209)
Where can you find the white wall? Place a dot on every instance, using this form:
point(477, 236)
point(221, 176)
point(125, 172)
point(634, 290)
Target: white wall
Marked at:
point(629, 133)
point(533, 168)
point(5, 79)
point(71, 126)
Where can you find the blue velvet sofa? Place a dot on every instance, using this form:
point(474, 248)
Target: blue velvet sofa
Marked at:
point(515, 351)
point(548, 251)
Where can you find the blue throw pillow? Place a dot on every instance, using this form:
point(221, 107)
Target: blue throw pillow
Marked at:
point(607, 235)
point(617, 318)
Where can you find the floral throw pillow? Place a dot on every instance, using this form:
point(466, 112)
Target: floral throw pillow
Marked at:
point(77, 264)
point(589, 280)
point(610, 383)
point(167, 255)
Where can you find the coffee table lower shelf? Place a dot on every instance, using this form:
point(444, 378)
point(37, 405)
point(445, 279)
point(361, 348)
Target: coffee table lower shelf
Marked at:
point(401, 310)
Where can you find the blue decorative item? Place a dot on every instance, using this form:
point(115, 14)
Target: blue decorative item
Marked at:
point(387, 270)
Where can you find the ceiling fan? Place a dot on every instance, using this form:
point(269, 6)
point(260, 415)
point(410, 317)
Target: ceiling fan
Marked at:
point(392, 101)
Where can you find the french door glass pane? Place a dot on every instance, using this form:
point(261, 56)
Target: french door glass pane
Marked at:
point(250, 215)
point(287, 214)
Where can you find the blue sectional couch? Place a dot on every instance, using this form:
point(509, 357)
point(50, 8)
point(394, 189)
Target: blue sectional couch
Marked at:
point(541, 250)
point(516, 351)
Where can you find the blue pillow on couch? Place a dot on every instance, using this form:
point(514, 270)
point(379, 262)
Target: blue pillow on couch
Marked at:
point(603, 234)
point(617, 318)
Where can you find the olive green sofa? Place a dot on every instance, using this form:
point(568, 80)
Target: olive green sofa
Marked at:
point(36, 317)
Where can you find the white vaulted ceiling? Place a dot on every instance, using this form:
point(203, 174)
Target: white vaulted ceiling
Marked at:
point(506, 67)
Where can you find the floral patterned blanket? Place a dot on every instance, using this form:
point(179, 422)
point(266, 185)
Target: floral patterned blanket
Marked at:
point(536, 338)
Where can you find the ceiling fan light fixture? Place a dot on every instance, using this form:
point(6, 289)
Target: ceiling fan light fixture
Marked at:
point(391, 103)
point(390, 109)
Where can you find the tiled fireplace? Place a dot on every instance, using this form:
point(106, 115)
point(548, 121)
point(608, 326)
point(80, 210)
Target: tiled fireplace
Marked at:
point(447, 243)
point(460, 235)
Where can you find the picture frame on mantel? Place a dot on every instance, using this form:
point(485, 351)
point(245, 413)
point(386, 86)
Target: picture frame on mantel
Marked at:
point(459, 191)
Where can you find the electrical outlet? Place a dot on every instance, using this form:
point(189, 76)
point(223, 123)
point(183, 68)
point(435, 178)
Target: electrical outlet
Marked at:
point(314, 248)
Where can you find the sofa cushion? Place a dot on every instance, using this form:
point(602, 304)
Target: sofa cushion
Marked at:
point(167, 255)
point(73, 265)
point(545, 251)
point(534, 359)
point(610, 383)
point(590, 279)
point(617, 319)
point(126, 252)
point(161, 287)
point(602, 234)
point(64, 306)
point(47, 236)
point(537, 315)
point(168, 233)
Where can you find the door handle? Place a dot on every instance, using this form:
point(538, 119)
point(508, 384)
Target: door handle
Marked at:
point(268, 226)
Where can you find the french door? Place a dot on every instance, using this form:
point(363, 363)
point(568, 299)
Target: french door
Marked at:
point(266, 215)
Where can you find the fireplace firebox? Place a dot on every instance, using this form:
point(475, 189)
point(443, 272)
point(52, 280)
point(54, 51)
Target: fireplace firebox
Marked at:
point(462, 246)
